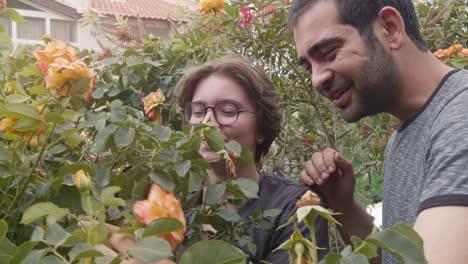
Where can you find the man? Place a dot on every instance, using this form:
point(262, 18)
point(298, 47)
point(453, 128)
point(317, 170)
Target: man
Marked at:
point(368, 57)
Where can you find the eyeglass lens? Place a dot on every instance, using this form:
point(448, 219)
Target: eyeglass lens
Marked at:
point(224, 113)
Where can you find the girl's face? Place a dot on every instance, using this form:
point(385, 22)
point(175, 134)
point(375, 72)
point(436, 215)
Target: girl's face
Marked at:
point(216, 89)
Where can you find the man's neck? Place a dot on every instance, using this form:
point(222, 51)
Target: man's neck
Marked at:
point(421, 74)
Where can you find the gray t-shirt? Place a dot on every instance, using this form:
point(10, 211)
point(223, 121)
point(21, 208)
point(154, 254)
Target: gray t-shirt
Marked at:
point(426, 160)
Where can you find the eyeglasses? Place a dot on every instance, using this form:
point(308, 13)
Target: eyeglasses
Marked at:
point(225, 113)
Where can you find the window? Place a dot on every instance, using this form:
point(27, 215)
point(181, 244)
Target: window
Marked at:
point(63, 30)
point(33, 28)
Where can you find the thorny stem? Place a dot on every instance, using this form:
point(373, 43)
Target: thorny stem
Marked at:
point(30, 175)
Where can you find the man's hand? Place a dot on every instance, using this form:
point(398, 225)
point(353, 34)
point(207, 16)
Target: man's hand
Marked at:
point(333, 175)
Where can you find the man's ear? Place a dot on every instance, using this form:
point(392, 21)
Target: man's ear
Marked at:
point(391, 27)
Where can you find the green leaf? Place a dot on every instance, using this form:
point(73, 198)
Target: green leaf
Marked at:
point(234, 146)
point(182, 167)
point(246, 157)
point(248, 187)
point(150, 249)
point(113, 201)
point(53, 117)
point(214, 138)
point(38, 234)
point(195, 181)
point(162, 226)
point(124, 136)
point(17, 98)
point(272, 212)
point(22, 110)
point(35, 256)
point(214, 192)
point(228, 215)
point(56, 235)
point(213, 252)
point(38, 89)
point(72, 168)
point(22, 251)
point(354, 259)
point(332, 258)
point(402, 242)
point(13, 15)
point(3, 228)
point(162, 133)
point(27, 124)
point(83, 251)
point(51, 259)
point(193, 144)
point(39, 210)
point(71, 137)
point(102, 138)
point(110, 192)
point(4, 154)
point(367, 249)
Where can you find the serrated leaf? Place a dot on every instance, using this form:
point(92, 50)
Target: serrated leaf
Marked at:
point(38, 234)
point(56, 235)
point(162, 133)
point(151, 249)
point(53, 117)
point(248, 187)
point(213, 252)
point(214, 192)
point(214, 138)
point(22, 110)
point(124, 136)
point(22, 251)
point(3, 228)
point(110, 192)
point(162, 226)
point(229, 216)
point(182, 167)
point(17, 98)
point(83, 251)
point(39, 210)
point(401, 241)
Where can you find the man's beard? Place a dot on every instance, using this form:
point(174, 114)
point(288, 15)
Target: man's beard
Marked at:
point(378, 88)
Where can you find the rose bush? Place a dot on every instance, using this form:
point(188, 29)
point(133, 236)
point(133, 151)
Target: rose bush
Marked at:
point(84, 136)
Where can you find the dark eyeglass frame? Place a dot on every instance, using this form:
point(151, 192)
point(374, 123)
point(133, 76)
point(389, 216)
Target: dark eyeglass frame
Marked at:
point(213, 109)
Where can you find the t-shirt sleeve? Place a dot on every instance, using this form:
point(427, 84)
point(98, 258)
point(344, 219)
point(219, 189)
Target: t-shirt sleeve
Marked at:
point(447, 157)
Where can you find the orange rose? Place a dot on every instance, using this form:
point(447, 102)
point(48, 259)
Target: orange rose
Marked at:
point(150, 102)
point(3, 4)
point(160, 204)
point(62, 76)
point(7, 126)
point(82, 181)
point(464, 53)
point(53, 51)
point(207, 5)
point(309, 198)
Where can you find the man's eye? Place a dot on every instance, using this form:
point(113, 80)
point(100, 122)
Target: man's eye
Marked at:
point(329, 54)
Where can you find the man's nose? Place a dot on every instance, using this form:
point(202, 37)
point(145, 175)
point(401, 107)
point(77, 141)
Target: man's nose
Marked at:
point(321, 79)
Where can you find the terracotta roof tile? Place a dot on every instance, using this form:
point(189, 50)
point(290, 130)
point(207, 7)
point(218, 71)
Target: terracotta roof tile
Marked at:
point(152, 9)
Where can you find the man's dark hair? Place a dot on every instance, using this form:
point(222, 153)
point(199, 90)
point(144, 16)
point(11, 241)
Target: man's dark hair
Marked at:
point(362, 13)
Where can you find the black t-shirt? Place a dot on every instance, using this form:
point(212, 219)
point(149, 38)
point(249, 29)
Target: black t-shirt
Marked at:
point(280, 193)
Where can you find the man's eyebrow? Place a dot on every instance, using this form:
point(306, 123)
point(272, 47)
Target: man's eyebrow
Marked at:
point(312, 51)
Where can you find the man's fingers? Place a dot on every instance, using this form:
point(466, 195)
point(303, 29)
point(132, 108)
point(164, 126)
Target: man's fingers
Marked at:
point(320, 167)
point(329, 160)
point(306, 178)
point(311, 172)
point(345, 165)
